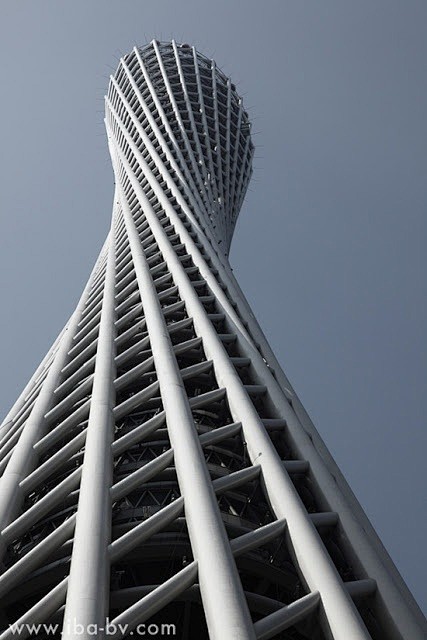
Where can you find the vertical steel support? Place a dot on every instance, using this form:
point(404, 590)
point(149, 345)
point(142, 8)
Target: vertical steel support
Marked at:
point(88, 585)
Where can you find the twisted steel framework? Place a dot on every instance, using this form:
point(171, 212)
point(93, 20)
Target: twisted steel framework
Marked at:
point(158, 465)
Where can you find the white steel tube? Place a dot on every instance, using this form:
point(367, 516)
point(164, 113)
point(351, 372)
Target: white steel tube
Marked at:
point(88, 585)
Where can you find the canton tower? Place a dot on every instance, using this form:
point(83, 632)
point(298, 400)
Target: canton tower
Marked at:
point(158, 468)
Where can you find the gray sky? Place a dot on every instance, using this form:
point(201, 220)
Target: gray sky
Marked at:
point(337, 207)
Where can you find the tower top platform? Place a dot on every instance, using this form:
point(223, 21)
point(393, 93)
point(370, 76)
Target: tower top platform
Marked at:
point(196, 121)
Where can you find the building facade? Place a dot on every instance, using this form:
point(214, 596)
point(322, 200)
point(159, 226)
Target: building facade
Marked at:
point(158, 469)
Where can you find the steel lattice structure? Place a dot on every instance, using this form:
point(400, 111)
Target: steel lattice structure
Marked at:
point(159, 466)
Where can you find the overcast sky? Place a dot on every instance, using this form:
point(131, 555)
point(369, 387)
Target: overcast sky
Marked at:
point(330, 245)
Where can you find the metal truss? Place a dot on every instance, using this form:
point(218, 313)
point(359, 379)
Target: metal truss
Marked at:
point(159, 466)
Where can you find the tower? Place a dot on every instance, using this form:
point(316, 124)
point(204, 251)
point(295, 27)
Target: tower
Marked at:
point(158, 468)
